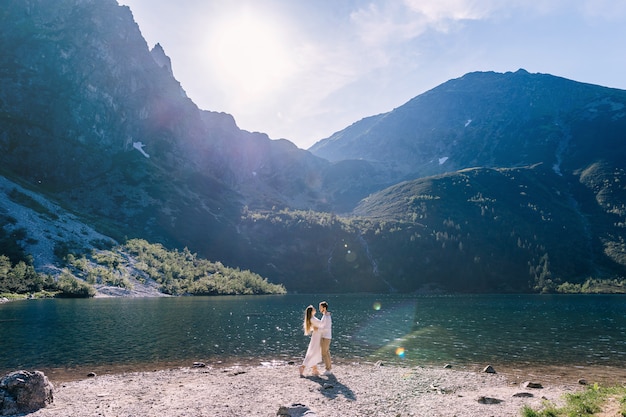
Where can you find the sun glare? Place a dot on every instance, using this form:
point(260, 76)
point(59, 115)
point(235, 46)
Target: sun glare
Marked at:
point(249, 54)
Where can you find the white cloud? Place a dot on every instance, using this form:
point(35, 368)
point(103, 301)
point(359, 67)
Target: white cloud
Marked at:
point(379, 24)
point(401, 20)
point(439, 10)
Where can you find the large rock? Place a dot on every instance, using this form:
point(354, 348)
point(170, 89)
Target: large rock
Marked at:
point(24, 392)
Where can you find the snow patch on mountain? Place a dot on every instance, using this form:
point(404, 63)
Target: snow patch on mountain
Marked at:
point(139, 146)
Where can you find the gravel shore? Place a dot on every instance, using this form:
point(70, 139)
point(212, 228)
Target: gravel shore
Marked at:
point(354, 389)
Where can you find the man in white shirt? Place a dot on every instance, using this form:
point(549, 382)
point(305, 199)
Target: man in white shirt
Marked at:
point(326, 335)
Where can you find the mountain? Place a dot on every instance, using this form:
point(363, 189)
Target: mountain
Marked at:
point(94, 118)
point(492, 229)
point(490, 182)
point(485, 119)
point(575, 133)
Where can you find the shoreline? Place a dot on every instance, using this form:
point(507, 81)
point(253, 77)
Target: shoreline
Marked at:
point(354, 389)
point(602, 374)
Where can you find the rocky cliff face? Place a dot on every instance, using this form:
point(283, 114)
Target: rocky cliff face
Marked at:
point(90, 114)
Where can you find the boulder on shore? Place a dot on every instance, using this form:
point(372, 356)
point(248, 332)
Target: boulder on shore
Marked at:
point(24, 392)
point(489, 369)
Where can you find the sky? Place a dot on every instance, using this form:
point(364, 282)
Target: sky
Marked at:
point(304, 69)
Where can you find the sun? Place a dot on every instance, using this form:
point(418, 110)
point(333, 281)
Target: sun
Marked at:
point(249, 54)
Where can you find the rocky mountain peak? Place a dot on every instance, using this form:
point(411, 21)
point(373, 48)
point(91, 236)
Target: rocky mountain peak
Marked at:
point(162, 60)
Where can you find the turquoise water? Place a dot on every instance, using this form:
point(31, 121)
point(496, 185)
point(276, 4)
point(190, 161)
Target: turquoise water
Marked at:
point(465, 329)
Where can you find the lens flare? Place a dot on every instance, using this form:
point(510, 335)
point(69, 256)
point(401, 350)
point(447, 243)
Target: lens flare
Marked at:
point(400, 352)
point(377, 306)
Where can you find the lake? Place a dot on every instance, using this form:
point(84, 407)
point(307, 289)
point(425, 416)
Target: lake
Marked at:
point(511, 330)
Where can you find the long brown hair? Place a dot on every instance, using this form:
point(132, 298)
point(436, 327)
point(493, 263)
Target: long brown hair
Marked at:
point(308, 313)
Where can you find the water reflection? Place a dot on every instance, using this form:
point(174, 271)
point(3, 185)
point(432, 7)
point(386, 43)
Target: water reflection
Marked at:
point(550, 330)
point(577, 330)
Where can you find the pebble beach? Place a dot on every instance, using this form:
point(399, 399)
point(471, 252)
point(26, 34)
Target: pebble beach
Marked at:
point(353, 389)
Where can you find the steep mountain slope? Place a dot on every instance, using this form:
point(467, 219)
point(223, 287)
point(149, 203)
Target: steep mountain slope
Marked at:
point(42, 227)
point(490, 120)
point(90, 115)
point(506, 229)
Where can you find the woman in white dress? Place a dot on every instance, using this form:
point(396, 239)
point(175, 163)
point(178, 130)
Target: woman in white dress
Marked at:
point(312, 326)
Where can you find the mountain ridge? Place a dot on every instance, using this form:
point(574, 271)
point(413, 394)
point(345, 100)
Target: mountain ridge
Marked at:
point(528, 97)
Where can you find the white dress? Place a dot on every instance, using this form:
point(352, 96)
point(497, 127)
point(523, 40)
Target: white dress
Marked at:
point(314, 351)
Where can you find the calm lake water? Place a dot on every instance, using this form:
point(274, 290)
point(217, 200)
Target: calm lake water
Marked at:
point(570, 330)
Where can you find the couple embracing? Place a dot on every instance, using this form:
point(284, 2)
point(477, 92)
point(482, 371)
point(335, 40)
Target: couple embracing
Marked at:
point(319, 346)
